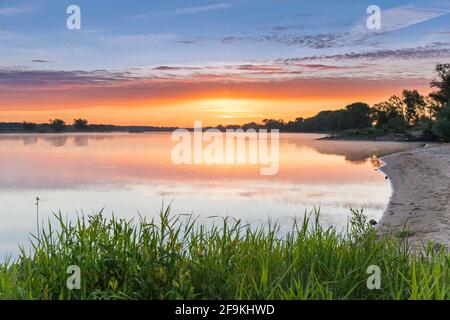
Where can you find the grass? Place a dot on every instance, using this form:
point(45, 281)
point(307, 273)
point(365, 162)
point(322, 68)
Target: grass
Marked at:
point(178, 258)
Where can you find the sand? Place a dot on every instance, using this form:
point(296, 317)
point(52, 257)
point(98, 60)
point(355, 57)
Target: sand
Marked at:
point(421, 194)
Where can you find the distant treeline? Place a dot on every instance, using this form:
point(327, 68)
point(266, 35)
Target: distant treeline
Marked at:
point(78, 125)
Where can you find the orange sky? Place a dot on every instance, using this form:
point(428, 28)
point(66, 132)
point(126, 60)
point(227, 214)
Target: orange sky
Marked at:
point(180, 102)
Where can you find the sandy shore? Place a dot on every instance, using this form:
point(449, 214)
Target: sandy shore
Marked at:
point(421, 194)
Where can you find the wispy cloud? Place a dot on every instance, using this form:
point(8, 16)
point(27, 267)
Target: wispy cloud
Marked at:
point(41, 61)
point(318, 41)
point(176, 68)
point(399, 18)
point(13, 11)
point(441, 32)
point(391, 20)
point(184, 11)
point(8, 35)
point(138, 39)
point(19, 76)
point(435, 51)
point(199, 9)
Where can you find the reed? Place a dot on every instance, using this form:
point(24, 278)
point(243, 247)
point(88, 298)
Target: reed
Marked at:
point(174, 257)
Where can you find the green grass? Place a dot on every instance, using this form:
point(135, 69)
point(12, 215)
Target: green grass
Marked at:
point(171, 258)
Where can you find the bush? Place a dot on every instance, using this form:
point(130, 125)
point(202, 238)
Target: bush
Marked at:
point(441, 127)
point(398, 124)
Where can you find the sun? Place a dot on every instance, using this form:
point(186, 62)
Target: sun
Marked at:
point(228, 105)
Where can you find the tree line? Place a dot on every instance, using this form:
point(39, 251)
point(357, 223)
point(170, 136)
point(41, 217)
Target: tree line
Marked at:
point(57, 125)
point(78, 125)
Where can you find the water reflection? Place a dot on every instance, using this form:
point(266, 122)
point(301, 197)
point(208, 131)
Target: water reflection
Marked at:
point(81, 141)
point(130, 173)
point(356, 152)
point(57, 140)
point(73, 161)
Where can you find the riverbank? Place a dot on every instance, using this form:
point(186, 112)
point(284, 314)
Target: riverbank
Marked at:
point(420, 203)
point(382, 135)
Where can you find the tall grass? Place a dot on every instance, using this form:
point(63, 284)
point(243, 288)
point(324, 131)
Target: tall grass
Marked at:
point(175, 258)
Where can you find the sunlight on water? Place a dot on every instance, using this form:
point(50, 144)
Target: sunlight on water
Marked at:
point(132, 174)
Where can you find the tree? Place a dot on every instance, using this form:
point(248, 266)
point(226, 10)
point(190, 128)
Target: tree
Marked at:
point(432, 108)
point(393, 107)
point(441, 127)
point(389, 114)
point(57, 125)
point(359, 115)
point(442, 84)
point(29, 126)
point(80, 124)
point(414, 106)
point(273, 124)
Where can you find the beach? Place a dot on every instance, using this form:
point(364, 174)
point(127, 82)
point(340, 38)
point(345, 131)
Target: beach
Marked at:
point(420, 203)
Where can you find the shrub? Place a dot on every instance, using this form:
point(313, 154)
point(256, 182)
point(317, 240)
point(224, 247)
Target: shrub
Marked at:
point(441, 127)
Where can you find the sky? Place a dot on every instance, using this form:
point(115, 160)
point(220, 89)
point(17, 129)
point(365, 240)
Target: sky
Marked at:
point(172, 62)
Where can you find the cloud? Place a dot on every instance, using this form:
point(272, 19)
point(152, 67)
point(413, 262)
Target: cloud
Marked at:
point(258, 68)
point(322, 67)
point(184, 11)
point(441, 32)
point(437, 50)
point(402, 17)
point(200, 9)
point(391, 20)
point(195, 40)
point(17, 77)
point(138, 39)
point(171, 68)
point(14, 11)
point(40, 61)
point(231, 73)
point(319, 41)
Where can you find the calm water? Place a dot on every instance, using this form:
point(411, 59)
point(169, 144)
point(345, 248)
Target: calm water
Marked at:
point(132, 174)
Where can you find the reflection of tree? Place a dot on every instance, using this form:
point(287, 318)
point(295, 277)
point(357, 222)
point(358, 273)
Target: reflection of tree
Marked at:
point(29, 140)
point(81, 141)
point(357, 152)
point(100, 137)
point(57, 141)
